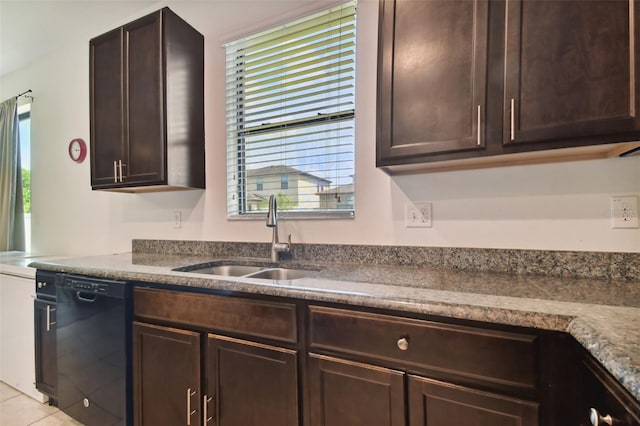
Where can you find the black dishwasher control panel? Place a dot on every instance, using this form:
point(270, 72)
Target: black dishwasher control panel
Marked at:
point(87, 286)
point(97, 286)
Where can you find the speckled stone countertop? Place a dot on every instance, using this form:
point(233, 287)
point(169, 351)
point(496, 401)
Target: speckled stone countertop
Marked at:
point(602, 314)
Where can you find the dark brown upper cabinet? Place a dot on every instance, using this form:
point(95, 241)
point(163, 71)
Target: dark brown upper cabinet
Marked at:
point(147, 106)
point(432, 87)
point(571, 74)
point(469, 84)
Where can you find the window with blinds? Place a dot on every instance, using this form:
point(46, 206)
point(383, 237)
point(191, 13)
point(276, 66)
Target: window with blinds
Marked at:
point(290, 117)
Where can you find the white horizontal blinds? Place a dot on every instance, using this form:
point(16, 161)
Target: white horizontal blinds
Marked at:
point(290, 116)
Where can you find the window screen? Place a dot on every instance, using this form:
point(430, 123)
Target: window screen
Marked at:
point(290, 117)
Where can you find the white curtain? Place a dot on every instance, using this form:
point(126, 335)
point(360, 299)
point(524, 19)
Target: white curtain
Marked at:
point(11, 203)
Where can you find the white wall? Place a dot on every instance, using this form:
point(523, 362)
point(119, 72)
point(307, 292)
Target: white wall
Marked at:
point(557, 206)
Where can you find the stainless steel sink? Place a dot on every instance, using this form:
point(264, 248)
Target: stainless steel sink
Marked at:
point(228, 270)
point(279, 274)
point(258, 270)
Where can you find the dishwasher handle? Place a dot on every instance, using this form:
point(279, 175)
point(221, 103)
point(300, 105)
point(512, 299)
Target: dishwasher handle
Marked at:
point(82, 298)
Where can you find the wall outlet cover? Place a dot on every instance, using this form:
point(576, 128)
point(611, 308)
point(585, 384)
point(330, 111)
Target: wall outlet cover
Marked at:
point(418, 215)
point(624, 211)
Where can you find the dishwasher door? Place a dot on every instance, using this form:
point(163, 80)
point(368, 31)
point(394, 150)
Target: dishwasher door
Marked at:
point(94, 321)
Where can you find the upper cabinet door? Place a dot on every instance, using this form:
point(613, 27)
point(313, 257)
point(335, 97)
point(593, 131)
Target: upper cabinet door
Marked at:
point(107, 109)
point(147, 106)
point(144, 100)
point(571, 75)
point(432, 72)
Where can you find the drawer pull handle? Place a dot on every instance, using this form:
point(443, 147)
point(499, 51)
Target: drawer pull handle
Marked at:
point(597, 420)
point(403, 344)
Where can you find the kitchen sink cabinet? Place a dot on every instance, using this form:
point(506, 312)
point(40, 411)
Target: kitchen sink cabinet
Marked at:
point(147, 105)
point(349, 393)
point(240, 371)
point(466, 84)
point(193, 375)
point(231, 360)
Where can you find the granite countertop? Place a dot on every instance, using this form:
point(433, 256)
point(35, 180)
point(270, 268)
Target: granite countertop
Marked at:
point(602, 314)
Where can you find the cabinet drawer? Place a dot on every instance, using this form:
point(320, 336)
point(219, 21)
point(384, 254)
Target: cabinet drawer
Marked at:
point(256, 318)
point(503, 358)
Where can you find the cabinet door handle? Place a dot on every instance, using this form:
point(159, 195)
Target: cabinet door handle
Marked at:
point(120, 170)
point(479, 136)
point(596, 419)
point(49, 323)
point(513, 119)
point(115, 171)
point(205, 404)
point(403, 344)
point(190, 412)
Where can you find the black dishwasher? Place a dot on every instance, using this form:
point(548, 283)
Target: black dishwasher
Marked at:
point(93, 335)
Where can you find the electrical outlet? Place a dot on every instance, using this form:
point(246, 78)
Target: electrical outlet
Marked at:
point(177, 219)
point(624, 211)
point(418, 215)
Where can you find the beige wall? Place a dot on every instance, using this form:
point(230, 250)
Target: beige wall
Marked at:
point(556, 206)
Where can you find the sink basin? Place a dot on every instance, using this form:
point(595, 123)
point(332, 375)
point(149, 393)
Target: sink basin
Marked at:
point(228, 270)
point(279, 274)
point(259, 270)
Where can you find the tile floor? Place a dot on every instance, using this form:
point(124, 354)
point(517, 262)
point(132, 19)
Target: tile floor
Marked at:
point(17, 409)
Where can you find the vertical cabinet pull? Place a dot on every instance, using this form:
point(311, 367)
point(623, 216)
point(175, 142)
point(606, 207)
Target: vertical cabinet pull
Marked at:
point(513, 119)
point(190, 412)
point(49, 323)
point(205, 409)
point(120, 170)
point(479, 136)
point(117, 171)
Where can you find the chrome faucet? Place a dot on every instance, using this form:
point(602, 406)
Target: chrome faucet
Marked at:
point(272, 222)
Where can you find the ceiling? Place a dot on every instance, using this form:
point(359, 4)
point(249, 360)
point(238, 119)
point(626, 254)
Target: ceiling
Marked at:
point(31, 28)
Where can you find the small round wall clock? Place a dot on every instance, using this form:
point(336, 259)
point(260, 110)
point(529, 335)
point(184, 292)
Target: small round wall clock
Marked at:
point(77, 150)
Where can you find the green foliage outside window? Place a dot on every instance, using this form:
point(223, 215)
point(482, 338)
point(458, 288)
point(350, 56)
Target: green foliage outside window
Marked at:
point(26, 190)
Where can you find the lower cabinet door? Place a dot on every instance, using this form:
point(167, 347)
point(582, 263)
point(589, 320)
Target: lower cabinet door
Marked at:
point(45, 347)
point(435, 403)
point(166, 376)
point(250, 384)
point(346, 393)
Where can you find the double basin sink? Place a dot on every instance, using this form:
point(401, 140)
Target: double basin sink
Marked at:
point(258, 270)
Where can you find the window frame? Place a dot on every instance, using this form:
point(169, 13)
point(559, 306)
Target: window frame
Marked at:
point(243, 213)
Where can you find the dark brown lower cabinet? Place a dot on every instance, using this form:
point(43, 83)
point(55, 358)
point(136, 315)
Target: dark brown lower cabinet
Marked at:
point(166, 382)
point(436, 403)
point(246, 383)
point(603, 399)
point(45, 347)
point(250, 383)
point(347, 393)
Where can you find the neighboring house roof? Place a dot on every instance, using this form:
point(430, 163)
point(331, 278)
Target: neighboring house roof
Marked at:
point(281, 170)
point(341, 189)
